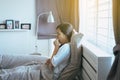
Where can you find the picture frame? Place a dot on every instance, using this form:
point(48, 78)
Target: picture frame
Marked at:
point(2, 26)
point(26, 26)
point(16, 24)
point(9, 24)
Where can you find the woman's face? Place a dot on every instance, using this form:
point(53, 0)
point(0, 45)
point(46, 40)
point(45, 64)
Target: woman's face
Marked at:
point(62, 38)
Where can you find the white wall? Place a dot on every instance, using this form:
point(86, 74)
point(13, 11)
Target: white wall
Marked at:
point(20, 42)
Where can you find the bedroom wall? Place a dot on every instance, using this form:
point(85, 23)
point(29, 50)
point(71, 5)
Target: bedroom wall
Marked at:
point(21, 42)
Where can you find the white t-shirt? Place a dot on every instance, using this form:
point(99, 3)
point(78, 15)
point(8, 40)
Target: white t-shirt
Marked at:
point(61, 59)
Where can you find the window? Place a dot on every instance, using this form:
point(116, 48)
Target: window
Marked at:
point(96, 23)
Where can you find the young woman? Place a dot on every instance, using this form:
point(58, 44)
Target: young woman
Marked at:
point(61, 54)
point(49, 70)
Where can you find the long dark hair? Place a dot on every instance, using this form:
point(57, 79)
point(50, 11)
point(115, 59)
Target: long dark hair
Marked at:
point(66, 28)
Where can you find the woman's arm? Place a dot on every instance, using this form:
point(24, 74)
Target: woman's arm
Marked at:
point(56, 44)
point(63, 54)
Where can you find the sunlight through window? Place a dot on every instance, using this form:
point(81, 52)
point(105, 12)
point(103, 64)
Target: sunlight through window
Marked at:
point(96, 23)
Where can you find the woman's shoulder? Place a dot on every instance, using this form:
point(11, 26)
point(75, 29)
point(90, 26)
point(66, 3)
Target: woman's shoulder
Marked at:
point(65, 46)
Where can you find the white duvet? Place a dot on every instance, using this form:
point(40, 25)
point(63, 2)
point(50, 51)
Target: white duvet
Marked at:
point(24, 67)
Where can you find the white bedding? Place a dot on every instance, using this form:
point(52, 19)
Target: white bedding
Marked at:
point(20, 73)
point(23, 67)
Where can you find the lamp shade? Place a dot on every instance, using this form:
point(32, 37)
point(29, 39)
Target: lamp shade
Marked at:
point(50, 18)
point(46, 17)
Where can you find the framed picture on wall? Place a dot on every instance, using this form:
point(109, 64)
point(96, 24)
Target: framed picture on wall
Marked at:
point(26, 26)
point(16, 25)
point(2, 26)
point(9, 24)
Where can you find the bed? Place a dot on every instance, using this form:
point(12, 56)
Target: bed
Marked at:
point(29, 74)
point(20, 67)
point(85, 64)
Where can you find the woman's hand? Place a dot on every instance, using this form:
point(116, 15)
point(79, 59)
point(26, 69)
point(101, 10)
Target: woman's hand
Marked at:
point(56, 43)
point(48, 62)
